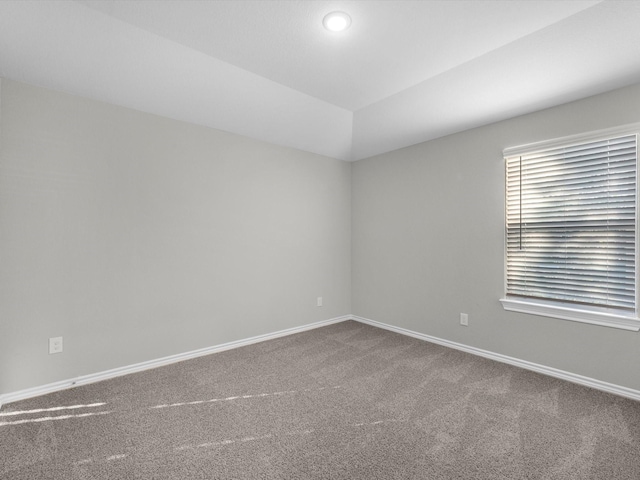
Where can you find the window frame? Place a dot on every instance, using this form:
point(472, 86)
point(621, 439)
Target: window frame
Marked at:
point(594, 315)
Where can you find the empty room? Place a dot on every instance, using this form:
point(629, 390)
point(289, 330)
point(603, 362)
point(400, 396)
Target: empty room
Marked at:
point(255, 239)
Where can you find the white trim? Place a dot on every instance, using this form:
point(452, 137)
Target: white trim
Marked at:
point(159, 362)
point(552, 372)
point(575, 314)
point(571, 140)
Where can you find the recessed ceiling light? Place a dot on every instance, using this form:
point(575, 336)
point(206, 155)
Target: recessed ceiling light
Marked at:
point(336, 21)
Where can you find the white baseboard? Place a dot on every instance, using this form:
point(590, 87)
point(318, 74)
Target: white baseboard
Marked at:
point(552, 372)
point(138, 367)
point(159, 362)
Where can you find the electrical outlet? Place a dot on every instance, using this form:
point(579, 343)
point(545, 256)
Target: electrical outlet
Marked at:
point(464, 319)
point(319, 301)
point(55, 345)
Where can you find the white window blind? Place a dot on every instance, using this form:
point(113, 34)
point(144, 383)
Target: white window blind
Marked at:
point(571, 223)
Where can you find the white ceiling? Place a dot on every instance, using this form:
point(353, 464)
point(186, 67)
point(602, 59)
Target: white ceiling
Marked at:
point(405, 72)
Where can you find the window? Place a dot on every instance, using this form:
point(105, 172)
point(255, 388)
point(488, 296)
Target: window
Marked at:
point(571, 218)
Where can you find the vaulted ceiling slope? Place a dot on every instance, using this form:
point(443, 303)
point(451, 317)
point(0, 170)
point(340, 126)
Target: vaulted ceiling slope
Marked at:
point(405, 72)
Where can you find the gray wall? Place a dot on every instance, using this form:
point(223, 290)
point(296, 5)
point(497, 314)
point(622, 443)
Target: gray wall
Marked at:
point(136, 237)
point(428, 229)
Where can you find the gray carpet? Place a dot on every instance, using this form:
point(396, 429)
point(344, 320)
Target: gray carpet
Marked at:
point(347, 401)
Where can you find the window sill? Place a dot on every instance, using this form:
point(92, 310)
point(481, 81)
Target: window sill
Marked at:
point(573, 313)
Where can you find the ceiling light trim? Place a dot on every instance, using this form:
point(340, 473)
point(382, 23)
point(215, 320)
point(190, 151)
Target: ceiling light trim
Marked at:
point(336, 21)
